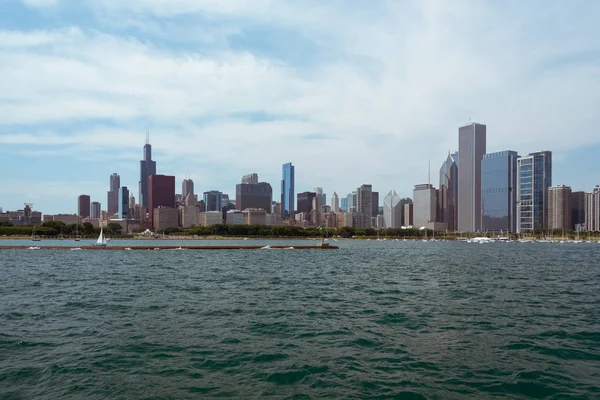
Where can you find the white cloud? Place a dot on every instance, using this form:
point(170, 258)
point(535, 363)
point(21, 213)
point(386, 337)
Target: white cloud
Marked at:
point(388, 88)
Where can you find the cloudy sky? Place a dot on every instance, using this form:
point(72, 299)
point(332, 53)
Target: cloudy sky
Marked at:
point(350, 91)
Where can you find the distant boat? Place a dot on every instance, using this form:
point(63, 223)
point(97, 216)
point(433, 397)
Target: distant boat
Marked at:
point(77, 232)
point(34, 237)
point(101, 239)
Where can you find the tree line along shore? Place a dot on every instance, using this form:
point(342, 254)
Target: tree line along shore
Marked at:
point(56, 229)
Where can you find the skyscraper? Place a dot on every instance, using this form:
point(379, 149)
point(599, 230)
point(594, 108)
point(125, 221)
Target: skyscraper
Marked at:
point(254, 195)
point(287, 190)
point(305, 202)
point(374, 204)
point(499, 191)
point(408, 214)
point(448, 192)
point(95, 209)
point(471, 148)
point(578, 210)
point(559, 208)
point(187, 187)
point(250, 178)
point(161, 193)
point(592, 210)
point(147, 169)
point(83, 206)
point(335, 202)
point(364, 206)
point(112, 205)
point(393, 208)
point(213, 201)
point(321, 197)
point(424, 205)
point(534, 174)
point(344, 204)
point(123, 211)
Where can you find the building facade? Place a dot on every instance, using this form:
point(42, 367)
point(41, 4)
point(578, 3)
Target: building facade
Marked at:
point(471, 148)
point(161, 193)
point(322, 197)
point(534, 175)
point(499, 192)
point(305, 202)
point(165, 217)
point(83, 206)
point(335, 202)
point(234, 217)
point(424, 205)
point(112, 196)
point(123, 211)
point(253, 216)
point(147, 169)
point(287, 190)
point(374, 204)
point(364, 206)
point(393, 210)
point(448, 192)
point(578, 211)
point(559, 208)
point(251, 179)
point(408, 214)
point(254, 195)
point(210, 218)
point(95, 208)
point(213, 201)
point(592, 210)
point(187, 188)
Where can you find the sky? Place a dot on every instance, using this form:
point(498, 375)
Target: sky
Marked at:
point(349, 91)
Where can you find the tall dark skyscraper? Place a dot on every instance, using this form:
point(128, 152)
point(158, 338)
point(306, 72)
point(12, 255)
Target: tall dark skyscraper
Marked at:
point(83, 206)
point(287, 190)
point(147, 169)
point(187, 187)
point(253, 195)
point(161, 192)
point(112, 197)
point(471, 148)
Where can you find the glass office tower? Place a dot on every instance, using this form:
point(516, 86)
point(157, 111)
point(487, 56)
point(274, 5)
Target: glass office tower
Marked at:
point(287, 190)
point(499, 191)
point(534, 175)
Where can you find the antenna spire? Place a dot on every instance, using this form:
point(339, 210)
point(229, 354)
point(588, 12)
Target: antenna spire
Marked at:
point(147, 136)
point(429, 171)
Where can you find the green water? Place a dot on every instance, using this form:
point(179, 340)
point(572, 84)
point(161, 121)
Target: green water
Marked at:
point(403, 320)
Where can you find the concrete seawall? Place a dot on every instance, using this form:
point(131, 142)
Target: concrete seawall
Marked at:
point(100, 248)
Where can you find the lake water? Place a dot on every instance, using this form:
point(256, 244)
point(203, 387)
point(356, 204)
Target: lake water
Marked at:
point(404, 320)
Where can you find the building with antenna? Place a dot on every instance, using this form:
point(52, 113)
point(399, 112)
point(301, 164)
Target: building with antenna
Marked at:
point(147, 169)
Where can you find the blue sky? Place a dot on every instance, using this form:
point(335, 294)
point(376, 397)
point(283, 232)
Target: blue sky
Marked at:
point(351, 92)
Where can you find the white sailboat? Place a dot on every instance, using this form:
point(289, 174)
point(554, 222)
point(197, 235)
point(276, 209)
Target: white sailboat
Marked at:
point(101, 239)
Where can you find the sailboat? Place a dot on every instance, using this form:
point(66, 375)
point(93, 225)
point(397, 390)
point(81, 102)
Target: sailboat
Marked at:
point(77, 232)
point(34, 237)
point(101, 239)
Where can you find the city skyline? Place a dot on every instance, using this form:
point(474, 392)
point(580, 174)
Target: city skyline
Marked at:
point(415, 73)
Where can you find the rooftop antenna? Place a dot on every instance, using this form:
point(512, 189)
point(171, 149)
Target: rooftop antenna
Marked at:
point(429, 171)
point(147, 136)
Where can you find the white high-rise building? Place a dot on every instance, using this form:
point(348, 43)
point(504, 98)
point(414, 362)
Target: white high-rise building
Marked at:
point(424, 205)
point(393, 208)
point(322, 197)
point(335, 202)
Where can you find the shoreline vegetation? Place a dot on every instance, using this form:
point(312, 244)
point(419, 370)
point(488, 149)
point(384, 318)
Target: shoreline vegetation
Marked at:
point(58, 230)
